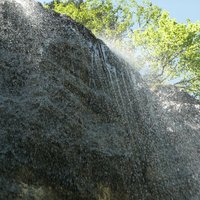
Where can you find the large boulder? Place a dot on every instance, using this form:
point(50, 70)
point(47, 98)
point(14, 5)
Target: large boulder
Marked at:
point(77, 123)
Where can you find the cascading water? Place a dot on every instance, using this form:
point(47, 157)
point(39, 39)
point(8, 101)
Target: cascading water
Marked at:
point(29, 9)
point(77, 122)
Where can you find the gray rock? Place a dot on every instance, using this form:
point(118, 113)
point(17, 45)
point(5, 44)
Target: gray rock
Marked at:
point(77, 123)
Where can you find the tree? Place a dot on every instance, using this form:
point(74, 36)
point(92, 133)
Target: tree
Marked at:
point(103, 18)
point(172, 50)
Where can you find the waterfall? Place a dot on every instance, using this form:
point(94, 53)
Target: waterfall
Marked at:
point(78, 122)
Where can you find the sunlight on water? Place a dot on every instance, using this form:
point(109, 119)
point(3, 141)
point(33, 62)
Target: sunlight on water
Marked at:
point(133, 56)
point(30, 10)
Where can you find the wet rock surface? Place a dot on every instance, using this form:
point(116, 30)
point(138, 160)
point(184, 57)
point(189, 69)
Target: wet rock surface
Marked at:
point(77, 123)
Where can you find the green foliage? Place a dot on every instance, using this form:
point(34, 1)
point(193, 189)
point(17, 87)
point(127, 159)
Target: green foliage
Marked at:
point(103, 18)
point(170, 49)
point(146, 14)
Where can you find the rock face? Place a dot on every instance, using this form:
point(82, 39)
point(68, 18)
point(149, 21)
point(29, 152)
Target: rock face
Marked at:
point(77, 123)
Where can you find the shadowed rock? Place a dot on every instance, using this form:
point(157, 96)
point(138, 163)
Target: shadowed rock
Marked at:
point(77, 123)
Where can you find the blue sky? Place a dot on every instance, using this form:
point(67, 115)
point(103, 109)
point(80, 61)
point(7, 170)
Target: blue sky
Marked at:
point(179, 9)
